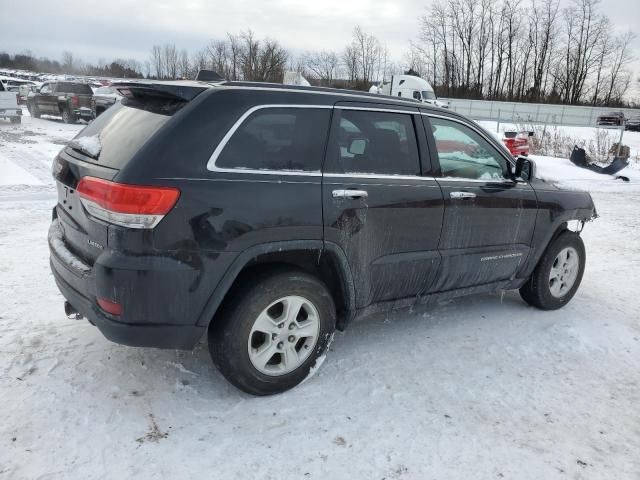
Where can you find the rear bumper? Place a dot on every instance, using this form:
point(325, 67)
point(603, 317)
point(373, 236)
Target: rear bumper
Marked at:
point(83, 112)
point(77, 282)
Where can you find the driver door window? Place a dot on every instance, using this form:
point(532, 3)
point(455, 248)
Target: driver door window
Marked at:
point(463, 153)
point(46, 89)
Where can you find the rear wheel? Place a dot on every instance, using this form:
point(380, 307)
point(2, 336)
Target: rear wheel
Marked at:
point(558, 275)
point(67, 116)
point(272, 330)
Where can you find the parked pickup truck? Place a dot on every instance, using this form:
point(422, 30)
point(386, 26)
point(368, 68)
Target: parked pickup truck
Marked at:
point(69, 100)
point(9, 105)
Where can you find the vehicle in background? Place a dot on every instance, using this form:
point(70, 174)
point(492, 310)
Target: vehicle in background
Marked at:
point(611, 119)
point(102, 99)
point(9, 105)
point(24, 91)
point(633, 124)
point(409, 86)
point(517, 142)
point(69, 100)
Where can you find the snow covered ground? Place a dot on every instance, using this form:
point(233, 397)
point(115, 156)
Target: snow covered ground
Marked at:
point(482, 387)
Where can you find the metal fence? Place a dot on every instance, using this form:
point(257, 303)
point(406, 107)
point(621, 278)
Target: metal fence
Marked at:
point(524, 113)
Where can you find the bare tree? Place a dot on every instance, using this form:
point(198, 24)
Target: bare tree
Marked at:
point(323, 65)
point(185, 65)
point(170, 55)
point(157, 61)
point(68, 64)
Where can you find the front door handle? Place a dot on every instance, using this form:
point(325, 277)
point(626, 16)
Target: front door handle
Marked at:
point(462, 195)
point(350, 193)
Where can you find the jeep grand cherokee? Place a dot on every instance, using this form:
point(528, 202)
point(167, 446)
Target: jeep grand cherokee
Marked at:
point(268, 216)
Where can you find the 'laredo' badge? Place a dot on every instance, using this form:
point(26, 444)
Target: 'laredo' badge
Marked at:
point(94, 244)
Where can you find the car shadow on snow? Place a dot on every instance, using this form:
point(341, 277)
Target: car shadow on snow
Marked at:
point(191, 373)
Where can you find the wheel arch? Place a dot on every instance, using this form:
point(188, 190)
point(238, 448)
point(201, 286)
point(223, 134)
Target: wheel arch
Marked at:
point(325, 260)
point(560, 225)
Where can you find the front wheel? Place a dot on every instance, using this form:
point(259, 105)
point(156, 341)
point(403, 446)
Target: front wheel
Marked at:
point(16, 119)
point(272, 331)
point(558, 275)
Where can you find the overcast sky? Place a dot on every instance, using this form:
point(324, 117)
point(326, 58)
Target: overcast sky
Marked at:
point(95, 30)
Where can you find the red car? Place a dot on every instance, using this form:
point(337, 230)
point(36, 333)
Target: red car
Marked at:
point(517, 142)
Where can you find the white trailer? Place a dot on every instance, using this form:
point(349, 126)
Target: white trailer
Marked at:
point(409, 86)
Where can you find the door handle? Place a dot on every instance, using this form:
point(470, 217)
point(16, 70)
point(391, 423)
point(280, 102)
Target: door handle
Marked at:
point(462, 195)
point(350, 194)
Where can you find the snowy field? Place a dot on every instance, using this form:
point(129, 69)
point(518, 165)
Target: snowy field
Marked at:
point(482, 387)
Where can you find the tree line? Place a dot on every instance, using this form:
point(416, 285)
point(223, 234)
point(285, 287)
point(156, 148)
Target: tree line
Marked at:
point(518, 50)
point(70, 65)
point(537, 51)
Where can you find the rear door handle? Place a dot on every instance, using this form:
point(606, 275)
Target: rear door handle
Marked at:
point(462, 195)
point(350, 193)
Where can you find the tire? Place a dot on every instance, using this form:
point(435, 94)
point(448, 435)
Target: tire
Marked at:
point(236, 335)
point(67, 116)
point(547, 293)
point(16, 119)
point(34, 111)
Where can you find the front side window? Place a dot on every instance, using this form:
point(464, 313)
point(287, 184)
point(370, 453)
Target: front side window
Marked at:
point(46, 88)
point(463, 153)
point(279, 138)
point(372, 142)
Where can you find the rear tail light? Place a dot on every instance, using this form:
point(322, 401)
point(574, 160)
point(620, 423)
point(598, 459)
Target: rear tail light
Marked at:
point(75, 101)
point(109, 306)
point(132, 206)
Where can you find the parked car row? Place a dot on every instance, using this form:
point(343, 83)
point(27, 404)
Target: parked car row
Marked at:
point(71, 98)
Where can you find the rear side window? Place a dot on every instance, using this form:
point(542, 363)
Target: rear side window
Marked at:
point(373, 142)
point(77, 88)
point(278, 138)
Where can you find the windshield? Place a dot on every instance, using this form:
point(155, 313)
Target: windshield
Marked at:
point(428, 95)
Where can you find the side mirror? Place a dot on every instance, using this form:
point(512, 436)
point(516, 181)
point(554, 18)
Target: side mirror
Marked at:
point(525, 169)
point(357, 146)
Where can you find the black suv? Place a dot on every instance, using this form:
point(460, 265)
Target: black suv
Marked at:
point(69, 100)
point(268, 216)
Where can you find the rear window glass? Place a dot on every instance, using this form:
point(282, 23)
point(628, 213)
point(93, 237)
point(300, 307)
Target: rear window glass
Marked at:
point(78, 88)
point(114, 137)
point(289, 139)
